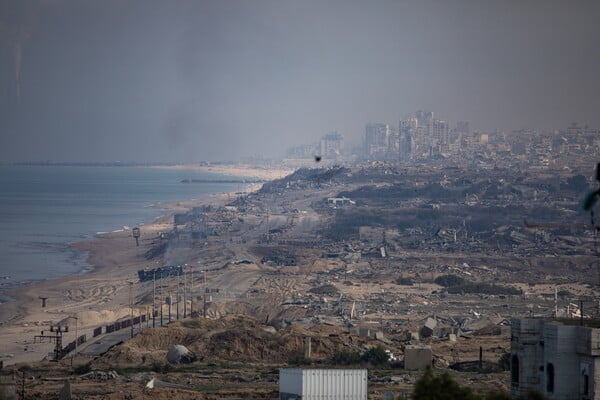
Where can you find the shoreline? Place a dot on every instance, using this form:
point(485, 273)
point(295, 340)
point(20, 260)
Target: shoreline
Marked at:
point(236, 170)
point(96, 293)
point(76, 256)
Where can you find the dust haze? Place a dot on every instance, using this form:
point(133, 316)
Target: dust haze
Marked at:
point(185, 81)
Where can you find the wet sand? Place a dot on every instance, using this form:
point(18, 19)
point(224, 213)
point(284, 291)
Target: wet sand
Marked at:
point(100, 296)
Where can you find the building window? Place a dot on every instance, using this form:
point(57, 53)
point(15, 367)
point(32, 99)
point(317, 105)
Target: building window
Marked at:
point(550, 378)
point(586, 384)
point(514, 370)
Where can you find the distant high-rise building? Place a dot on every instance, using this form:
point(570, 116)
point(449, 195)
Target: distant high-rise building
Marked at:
point(406, 134)
point(377, 140)
point(441, 135)
point(332, 144)
point(424, 135)
point(424, 117)
point(463, 127)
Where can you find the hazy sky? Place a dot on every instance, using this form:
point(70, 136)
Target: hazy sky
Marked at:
point(145, 80)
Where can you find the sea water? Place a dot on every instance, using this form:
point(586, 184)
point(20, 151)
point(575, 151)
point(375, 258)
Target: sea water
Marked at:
point(44, 208)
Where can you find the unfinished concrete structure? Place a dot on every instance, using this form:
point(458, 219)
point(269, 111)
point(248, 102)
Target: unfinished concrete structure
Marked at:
point(560, 361)
point(417, 357)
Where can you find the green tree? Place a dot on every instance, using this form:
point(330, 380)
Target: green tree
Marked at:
point(441, 387)
point(376, 356)
point(345, 357)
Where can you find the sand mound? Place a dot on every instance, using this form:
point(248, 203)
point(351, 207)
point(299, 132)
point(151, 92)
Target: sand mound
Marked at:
point(232, 338)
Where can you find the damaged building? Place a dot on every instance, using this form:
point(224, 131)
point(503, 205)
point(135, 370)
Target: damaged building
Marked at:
point(560, 361)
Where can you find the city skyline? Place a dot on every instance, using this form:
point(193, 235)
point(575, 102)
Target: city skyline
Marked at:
point(151, 81)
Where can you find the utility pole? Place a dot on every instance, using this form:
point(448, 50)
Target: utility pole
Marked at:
point(131, 306)
point(555, 302)
point(153, 296)
point(205, 292)
point(76, 334)
point(184, 292)
point(177, 292)
point(22, 397)
point(170, 301)
point(161, 300)
point(191, 289)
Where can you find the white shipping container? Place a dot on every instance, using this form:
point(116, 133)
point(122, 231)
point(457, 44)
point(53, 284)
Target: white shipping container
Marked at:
point(322, 384)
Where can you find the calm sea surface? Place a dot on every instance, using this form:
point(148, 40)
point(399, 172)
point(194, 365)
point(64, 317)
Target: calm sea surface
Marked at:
point(44, 208)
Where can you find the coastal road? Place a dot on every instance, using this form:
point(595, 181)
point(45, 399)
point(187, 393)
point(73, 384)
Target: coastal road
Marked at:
point(102, 344)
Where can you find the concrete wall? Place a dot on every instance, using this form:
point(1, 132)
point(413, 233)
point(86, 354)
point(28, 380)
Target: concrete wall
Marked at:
point(417, 357)
point(559, 351)
point(526, 346)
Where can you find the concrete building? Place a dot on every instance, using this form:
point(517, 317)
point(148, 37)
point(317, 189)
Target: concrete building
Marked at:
point(340, 201)
point(322, 384)
point(332, 145)
point(417, 357)
point(377, 140)
point(423, 136)
point(407, 130)
point(560, 361)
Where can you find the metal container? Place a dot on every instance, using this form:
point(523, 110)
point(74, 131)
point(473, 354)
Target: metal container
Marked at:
point(322, 384)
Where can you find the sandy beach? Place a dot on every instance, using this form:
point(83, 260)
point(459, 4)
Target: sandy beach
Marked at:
point(241, 170)
point(102, 295)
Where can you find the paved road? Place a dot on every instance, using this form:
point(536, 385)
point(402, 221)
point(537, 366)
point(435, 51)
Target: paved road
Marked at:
point(103, 343)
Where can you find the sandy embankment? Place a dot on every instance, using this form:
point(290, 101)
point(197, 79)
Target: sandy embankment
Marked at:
point(100, 296)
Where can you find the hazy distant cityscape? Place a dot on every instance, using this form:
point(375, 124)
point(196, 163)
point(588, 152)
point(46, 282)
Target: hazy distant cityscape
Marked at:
point(424, 138)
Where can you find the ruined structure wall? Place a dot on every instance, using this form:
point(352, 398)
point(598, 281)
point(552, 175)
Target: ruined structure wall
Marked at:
point(561, 362)
point(525, 344)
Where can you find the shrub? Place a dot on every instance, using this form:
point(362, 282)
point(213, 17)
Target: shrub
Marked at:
point(162, 368)
point(297, 358)
point(449, 280)
point(430, 387)
point(346, 357)
point(328, 290)
point(404, 281)
point(504, 362)
point(83, 369)
point(443, 387)
point(564, 293)
point(376, 356)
